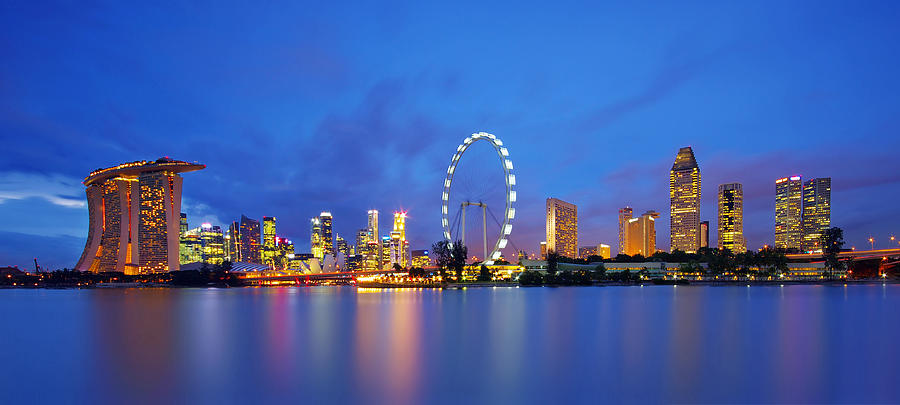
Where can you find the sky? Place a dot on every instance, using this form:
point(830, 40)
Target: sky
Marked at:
point(298, 108)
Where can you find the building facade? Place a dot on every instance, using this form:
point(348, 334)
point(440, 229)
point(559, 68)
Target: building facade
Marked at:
point(269, 249)
point(625, 214)
point(399, 251)
point(684, 202)
point(134, 212)
point(316, 238)
point(327, 233)
point(704, 234)
point(604, 251)
point(816, 212)
point(731, 218)
point(640, 235)
point(562, 228)
point(788, 205)
point(249, 241)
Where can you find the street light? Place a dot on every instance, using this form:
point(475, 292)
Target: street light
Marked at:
point(872, 241)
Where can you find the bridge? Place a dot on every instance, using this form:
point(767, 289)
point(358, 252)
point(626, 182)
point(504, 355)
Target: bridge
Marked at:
point(852, 254)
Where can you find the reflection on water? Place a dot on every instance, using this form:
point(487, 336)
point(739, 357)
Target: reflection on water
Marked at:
point(339, 344)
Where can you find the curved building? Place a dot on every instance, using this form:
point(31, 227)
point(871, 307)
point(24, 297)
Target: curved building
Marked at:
point(134, 217)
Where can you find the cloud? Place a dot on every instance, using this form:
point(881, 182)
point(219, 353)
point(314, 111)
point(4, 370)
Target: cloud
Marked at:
point(57, 189)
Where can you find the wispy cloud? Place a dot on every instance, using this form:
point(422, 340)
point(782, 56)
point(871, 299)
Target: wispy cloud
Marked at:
point(54, 188)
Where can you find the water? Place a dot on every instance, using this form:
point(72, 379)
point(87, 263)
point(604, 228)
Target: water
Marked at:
point(480, 345)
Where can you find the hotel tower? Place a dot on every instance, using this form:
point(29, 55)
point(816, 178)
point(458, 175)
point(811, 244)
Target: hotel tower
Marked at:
point(684, 202)
point(788, 206)
point(731, 217)
point(134, 214)
point(562, 228)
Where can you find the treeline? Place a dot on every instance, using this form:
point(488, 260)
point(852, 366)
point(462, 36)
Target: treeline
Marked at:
point(211, 275)
point(580, 277)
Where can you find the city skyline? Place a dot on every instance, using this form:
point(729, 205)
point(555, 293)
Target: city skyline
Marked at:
point(739, 94)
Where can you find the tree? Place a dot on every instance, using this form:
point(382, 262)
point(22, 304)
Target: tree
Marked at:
point(485, 274)
point(458, 253)
point(622, 258)
point(552, 262)
point(398, 267)
point(832, 243)
point(441, 251)
point(599, 272)
point(530, 277)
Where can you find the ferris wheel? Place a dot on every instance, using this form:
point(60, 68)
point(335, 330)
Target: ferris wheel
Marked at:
point(474, 180)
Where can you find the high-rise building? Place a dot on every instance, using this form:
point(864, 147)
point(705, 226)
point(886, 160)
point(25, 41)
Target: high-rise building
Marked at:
point(327, 233)
point(604, 251)
point(190, 249)
point(704, 234)
point(134, 217)
point(684, 202)
point(585, 252)
point(731, 218)
point(373, 236)
point(372, 225)
point(543, 250)
point(385, 252)
point(562, 228)
point(234, 241)
point(420, 258)
point(213, 243)
point(399, 245)
point(269, 253)
point(640, 235)
point(788, 204)
point(249, 239)
point(816, 212)
point(624, 215)
point(341, 246)
point(316, 238)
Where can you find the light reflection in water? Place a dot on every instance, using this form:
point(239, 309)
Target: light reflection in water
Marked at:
point(339, 344)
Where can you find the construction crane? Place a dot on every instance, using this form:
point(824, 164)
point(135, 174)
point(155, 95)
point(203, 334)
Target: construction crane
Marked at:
point(37, 269)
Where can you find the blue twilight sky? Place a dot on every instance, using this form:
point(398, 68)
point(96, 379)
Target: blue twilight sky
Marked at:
point(298, 108)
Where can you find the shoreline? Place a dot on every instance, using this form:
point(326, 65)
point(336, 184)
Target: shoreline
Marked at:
point(461, 286)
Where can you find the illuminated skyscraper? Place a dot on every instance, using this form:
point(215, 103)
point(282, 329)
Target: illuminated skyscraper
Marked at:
point(587, 251)
point(270, 251)
point(684, 202)
point(249, 240)
point(543, 250)
point(212, 242)
point(134, 217)
point(640, 235)
point(788, 202)
point(731, 218)
point(190, 249)
point(327, 233)
point(399, 245)
point(234, 241)
point(420, 258)
point(604, 251)
point(816, 212)
point(316, 239)
point(372, 226)
point(562, 228)
point(385, 252)
point(373, 236)
point(341, 246)
point(625, 214)
point(704, 234)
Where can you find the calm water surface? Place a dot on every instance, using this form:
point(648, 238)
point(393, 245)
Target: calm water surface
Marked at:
point(485, 345)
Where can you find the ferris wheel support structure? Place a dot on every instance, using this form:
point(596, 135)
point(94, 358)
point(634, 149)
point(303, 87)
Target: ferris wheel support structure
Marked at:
point(509, 211)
